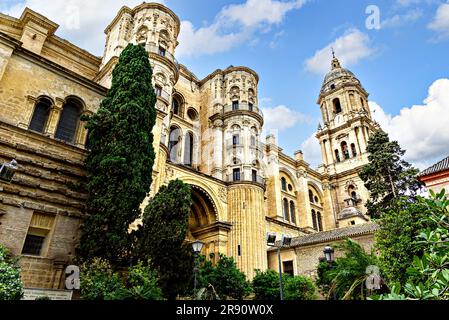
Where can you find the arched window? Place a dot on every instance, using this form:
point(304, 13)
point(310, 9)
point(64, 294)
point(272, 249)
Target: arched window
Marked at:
point(40, 115)
point(337, 106)
point(344, 150)
point(286, 210)
point(352, 193)
point(188, 149)
point(284, 184)
point(68, 121)
point(311, 196)
point(293, 212)
point(337, 156)
point(354, 150)
point(175, 106)
point(315, 226)
point(173, 145)
point(319, 221)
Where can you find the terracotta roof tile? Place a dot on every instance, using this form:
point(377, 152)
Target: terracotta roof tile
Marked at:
point(440, 166)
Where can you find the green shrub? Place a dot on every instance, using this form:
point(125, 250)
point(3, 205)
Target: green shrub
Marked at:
point(227, 280)
point(266, 285)
point(11, 287)
point(141, 285)
point(98, 281)
point(299, 288)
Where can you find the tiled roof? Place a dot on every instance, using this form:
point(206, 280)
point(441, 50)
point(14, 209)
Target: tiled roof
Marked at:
point(334, 235)
point(440, 166)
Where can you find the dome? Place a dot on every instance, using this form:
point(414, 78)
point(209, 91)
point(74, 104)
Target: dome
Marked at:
point(338, 76)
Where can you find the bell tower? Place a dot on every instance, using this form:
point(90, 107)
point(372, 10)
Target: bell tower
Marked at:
point(344, 135)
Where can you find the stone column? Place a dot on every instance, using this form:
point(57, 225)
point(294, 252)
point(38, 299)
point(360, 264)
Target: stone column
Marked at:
point(53, 118)
point(218, 149)
point(247, 215)
point(81, 132)
point(305, 210)
point(30, 106)
point(329, 213)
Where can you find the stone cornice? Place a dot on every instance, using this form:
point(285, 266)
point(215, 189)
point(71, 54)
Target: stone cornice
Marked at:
point(30, 15)
point(229, 70)
point(54, 67)
point(158, 6)
point(284, 224)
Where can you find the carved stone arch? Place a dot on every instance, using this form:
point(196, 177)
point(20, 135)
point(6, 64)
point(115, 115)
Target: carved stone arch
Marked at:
point(209, 193)
point(291, 176)
point(161, 78)
point(234, 92)
point(313, 185)
point(142, 34)
point(79, 101)
point(350, 183)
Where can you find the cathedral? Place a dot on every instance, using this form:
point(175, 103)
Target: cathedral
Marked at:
point(207, 134)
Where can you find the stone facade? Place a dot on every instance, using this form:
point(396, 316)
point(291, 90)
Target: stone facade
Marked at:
point(208, 134)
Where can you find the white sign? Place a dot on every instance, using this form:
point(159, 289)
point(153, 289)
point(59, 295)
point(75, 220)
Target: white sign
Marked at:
point(32, 294)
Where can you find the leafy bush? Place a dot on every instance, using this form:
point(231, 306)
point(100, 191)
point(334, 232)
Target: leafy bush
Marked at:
point(396, 238)
point(11, 287)
point(428, 277)
point(346, 277)
point(228, 281)
point(141, 285)
point(98, 281)
point(299, 288)
point(266, 285)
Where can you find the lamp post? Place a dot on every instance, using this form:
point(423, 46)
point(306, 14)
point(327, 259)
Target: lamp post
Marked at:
point(329, 253)
point(330, 258)
point(197, 247)
point(7, 170)
point(285, 243)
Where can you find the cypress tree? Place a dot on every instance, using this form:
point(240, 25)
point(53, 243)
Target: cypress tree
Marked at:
point(387, 176)
point(161, 239)
point(121, 160)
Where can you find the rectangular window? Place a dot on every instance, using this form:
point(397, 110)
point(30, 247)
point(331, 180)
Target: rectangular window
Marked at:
point(288, 268)
point(162, 51)
point(253, 141)
point(239, 251)
point(158, 91)
point(251, 107)
point(235, 140)
point(236, 174)
point(33, 245)
point(254, 176)
point(235, 105)
point(38, 233)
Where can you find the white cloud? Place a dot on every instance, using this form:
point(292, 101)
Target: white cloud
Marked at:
point(440, 23)
point(422, 130)
point(312, 151)
point(402, 19)
point(81, 21)
point(350, 48)
point(233, 25)
point(281, 118)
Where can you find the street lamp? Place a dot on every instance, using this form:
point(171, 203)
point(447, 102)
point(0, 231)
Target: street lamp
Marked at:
point(197, 247)
point(285, 243)
point(7, 170)
point(329, 253)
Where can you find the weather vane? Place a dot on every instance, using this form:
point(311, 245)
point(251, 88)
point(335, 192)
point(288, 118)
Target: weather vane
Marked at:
point(333, 52)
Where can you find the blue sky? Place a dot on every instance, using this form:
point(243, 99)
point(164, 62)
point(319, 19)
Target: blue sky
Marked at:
point(402, 62)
